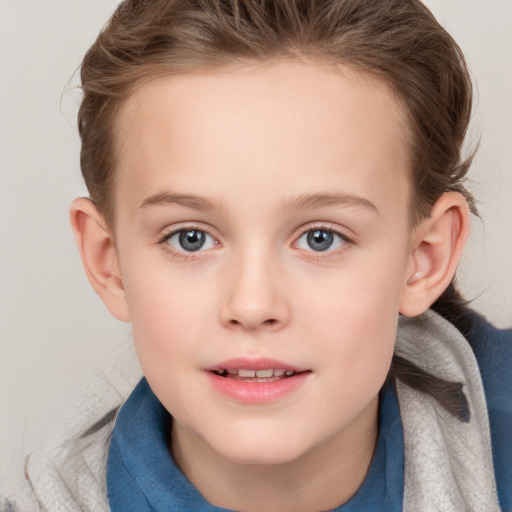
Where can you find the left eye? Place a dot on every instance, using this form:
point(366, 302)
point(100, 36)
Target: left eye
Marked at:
point(190, 240)
point(320, 240)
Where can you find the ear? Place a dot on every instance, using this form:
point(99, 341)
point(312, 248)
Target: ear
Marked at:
point(437, 245)
point(99, 258)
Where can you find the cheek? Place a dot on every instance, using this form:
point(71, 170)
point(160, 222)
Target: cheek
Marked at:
point(359, 334)
point(166, 313)
point(162, 295)
point(353, 317)
point(365, 290)
point(166, 337)
point(356, 344)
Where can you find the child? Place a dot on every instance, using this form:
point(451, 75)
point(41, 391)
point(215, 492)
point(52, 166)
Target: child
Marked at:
point(276, 201)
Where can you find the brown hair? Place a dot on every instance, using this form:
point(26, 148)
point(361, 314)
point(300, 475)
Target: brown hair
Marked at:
point(398, 41)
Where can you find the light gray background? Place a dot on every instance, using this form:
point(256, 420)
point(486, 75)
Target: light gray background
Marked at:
point(52, 326)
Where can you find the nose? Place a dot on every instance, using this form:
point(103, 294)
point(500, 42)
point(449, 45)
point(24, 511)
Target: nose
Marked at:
point(254, 295)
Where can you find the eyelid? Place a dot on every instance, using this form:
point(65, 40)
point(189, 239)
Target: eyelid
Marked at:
point(323, 226)
point(169, 232)
point(172, 229)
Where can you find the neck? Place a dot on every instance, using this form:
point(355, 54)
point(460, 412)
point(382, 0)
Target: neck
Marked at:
point(320, 479)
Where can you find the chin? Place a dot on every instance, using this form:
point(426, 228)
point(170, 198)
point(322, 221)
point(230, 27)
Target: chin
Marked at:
point(257, 458)
point(255, 450)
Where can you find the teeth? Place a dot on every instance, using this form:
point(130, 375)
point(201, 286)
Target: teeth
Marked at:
point(246, 373)
point(263, 374)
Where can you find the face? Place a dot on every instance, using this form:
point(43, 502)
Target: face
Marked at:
point(262, 239)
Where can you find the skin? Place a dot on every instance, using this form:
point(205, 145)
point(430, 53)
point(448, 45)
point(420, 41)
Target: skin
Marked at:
point(256, 157)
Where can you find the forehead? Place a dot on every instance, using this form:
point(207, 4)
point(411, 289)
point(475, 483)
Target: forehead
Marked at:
point(294, 125)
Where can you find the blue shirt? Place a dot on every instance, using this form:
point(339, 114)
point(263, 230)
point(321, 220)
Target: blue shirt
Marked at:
point(493, 351)
point(142, 476)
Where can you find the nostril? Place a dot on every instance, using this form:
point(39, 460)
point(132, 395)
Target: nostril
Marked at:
point(270, 322)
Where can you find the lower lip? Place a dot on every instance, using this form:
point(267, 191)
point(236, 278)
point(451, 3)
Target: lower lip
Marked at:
point(257, 392)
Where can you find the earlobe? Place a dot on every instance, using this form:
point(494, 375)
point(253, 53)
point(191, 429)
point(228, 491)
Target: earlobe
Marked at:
point(99, 258)
point(437, 246)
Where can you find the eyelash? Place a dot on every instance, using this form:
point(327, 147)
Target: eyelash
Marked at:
point(185, 255)
point(175, 253)
point(329, 253)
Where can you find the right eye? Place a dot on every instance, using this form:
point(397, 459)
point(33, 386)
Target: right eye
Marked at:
point(190, 240)
point(321, 240)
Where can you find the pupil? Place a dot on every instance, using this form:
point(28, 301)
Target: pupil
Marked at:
point(192, 240)
point(320, 240)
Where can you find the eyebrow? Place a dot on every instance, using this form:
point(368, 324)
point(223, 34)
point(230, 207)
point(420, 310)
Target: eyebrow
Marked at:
point(187, 200)
point(302, 202)
point(320, 200)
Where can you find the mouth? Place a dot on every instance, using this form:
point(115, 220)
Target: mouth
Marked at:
point(249, 375)
point(257, 381)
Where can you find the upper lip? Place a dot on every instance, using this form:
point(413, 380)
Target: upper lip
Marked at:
point(262, 363)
